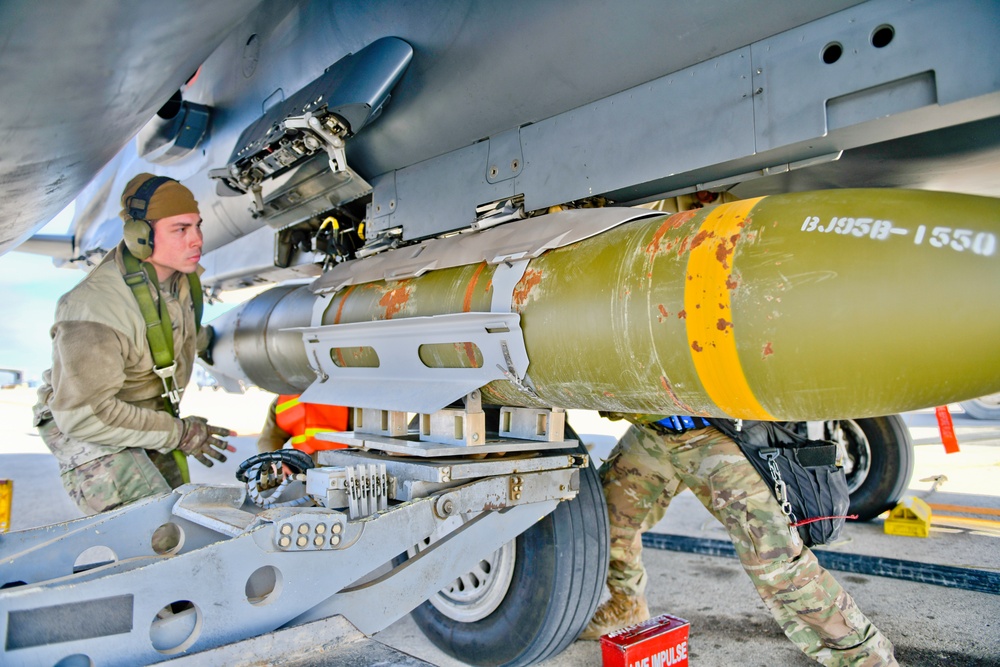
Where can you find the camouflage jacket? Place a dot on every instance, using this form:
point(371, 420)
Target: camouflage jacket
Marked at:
point(102, 392)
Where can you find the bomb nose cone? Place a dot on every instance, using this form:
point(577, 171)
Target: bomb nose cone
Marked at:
point(225, 366)
point(861, 302)
point(256, 343)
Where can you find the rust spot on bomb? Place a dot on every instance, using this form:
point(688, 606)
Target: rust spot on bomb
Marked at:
point(340, 306)
point(701, 237)
point(696, 347)
point(470, 353)
point(676, 401)
point(395, 299)
point(723, 324)
point(683, 247)
point(653, 247)
point(656, 245)
point(522, 291)
point(682, 314)
point(725, 249)
point(467, 301)
point(731, 284)
point(609, 394)
point(767, 351)
point(663, 312)
point(678, 220)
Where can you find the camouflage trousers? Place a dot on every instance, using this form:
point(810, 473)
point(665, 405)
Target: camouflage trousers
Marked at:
point(646, 470)
point(117, 479)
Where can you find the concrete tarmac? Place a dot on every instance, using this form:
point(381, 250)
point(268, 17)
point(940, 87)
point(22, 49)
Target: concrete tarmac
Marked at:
point(930, 625)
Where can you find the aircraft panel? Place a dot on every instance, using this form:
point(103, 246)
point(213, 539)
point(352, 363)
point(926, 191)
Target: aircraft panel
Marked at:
point(892, 59)
point(479, 68)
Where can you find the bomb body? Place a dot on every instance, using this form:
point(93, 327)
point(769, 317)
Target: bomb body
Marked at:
point(820, 305)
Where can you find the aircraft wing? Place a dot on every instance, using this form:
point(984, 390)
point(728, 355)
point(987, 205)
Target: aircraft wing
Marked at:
point(79, 80)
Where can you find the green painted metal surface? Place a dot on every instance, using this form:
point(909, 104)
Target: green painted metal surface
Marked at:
point(876, 316)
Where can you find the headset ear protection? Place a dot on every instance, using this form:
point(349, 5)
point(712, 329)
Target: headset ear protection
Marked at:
point(138, 238)
point(138, 233)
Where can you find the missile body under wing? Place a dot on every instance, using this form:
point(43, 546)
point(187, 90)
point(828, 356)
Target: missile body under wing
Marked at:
point(820, 305)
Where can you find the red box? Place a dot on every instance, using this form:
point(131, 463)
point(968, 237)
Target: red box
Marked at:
point(658, 642)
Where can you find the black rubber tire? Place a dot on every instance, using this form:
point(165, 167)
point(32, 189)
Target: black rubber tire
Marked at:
point(561, 564)
point(891, 452)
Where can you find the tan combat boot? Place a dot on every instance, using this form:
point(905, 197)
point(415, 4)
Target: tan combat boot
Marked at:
point(620, 611)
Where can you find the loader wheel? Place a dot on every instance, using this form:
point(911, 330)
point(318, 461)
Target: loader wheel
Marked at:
point(553, 573)
point(879, 463)
point(984, 407)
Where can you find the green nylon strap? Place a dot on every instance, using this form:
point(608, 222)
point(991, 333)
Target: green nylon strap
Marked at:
point(182, 465)
point(159, 330)
point(197, 298)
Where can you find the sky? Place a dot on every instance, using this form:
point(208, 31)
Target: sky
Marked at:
point(30, 286)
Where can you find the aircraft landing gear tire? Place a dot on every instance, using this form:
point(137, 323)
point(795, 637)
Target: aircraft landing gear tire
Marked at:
point(984, 407)
point(880, 463)
point(559, 567)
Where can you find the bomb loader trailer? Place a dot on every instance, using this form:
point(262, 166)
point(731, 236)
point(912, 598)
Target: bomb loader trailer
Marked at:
point(460, 530)
point(209, 531)
point(202, 568)
point(588, 298)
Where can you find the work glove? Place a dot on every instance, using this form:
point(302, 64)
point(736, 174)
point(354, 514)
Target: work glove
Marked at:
point(202, 440)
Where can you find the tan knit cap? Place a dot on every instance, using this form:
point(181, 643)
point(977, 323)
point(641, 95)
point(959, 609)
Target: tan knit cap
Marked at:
point(170, 199)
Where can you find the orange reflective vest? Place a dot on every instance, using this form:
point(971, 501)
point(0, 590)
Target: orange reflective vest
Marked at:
point(305, 420)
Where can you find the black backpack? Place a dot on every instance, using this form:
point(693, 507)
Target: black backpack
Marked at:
point(802, 474)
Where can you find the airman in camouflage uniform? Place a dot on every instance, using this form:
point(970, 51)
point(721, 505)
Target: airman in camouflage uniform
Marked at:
point(113, 480)
point(101, 409)
point(649, 466)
